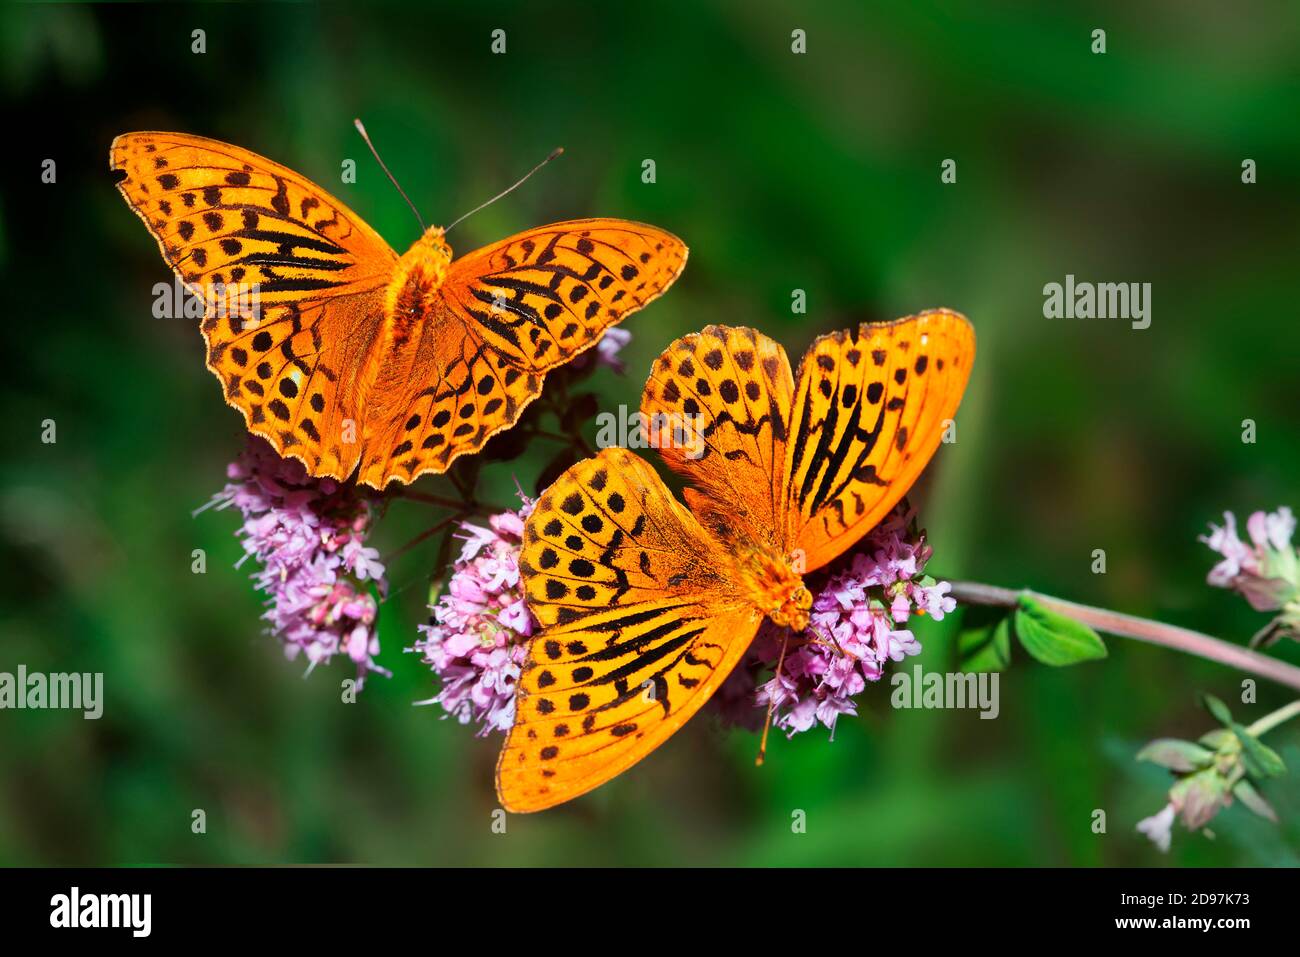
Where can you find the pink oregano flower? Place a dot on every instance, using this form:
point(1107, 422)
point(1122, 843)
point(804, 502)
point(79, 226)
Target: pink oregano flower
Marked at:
point(477, 638)
point(308, 535)
point(476, 642)
point(606, 352)
point(1265, 571)
point(858, 625)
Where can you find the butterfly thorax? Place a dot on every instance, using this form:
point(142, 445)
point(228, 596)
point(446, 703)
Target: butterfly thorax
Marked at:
point(774, 587)
point(413, 291)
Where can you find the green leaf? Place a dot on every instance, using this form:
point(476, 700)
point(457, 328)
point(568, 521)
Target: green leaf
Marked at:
point(987, 648)
point(1218, 709)
point(1245, 792)
point(1260, 760)
point(1217, 738)
point(1176, 755)
point(1053, 638)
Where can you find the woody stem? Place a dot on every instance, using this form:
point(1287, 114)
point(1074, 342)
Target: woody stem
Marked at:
point(1141, 629)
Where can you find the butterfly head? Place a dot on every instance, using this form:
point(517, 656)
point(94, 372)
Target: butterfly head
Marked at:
point(433, 252)
point(776, 587)
point(793, 611)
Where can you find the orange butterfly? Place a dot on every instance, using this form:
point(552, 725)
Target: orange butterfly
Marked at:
point(646, 606)
point(359, 356)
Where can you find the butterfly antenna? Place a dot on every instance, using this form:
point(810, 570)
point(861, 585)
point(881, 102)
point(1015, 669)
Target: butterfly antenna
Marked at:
point(365, 136)
point(827, 636)
point(523, 179)
point(827, 639)
point(771, 704)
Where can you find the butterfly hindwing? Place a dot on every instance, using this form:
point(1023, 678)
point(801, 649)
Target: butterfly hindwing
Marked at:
point(639, 629)
point(717, 407)
point(290, 278)
point(295, 376)
point(870, 408)
point(457, 394)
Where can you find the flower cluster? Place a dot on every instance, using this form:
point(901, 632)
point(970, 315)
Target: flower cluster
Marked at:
point(309, 536)
point(1226, 764)
point(1209, 774)
point(477, 638)
point(1265, 571)
point(858, 623)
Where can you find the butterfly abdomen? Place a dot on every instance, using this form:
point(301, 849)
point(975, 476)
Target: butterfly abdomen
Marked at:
point(412, 293)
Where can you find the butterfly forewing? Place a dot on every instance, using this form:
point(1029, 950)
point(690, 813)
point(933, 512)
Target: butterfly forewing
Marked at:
point(545, 295)
point(224, 215)
point(291, 281)
point(870, 409)
point(640, 626)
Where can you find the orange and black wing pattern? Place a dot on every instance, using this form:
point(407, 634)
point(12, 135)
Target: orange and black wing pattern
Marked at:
point(640, 625)
point(291, 281)
point(510, 312)
point(870, 408)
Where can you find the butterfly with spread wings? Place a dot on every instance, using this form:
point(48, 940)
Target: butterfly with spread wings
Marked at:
point(357, 359)
point(646, 605)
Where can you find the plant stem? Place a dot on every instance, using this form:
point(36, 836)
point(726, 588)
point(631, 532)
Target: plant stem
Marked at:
point(553, 436)
point(477, 508)
point(1143, 629)
point(424, 535)
point(1271, 721)
point(429, 499)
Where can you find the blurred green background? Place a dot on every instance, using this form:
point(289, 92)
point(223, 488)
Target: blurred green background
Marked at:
point(782, 171)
